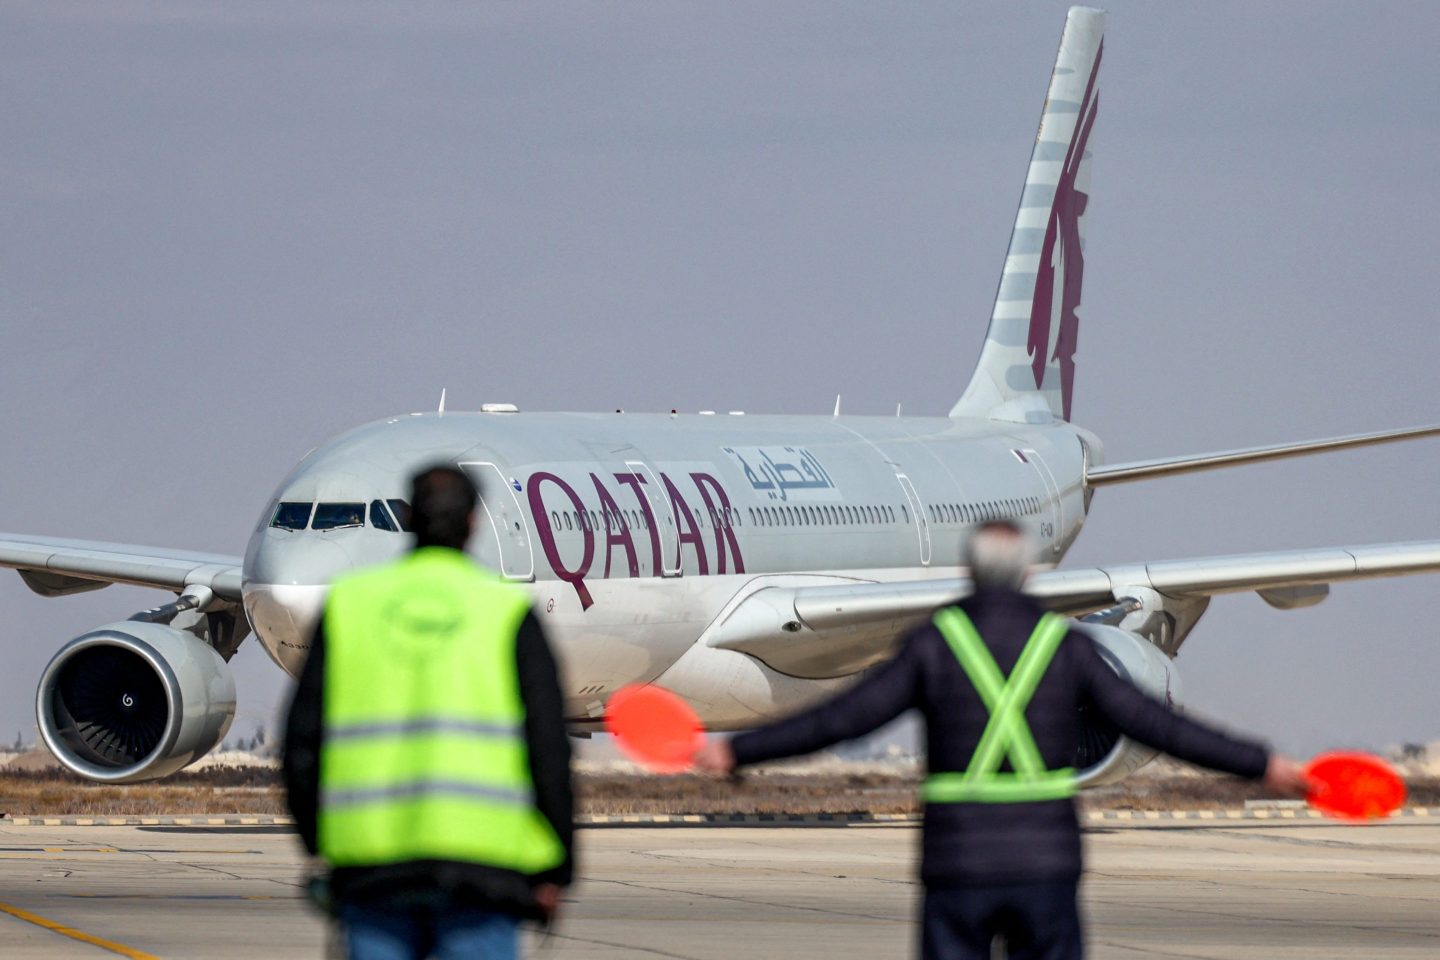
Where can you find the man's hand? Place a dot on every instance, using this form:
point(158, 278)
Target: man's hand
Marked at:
point(547, 898)
point(715, 758)
point(1285, 776)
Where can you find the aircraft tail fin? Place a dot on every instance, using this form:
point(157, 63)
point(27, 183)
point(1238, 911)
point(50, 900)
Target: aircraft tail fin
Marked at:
point(1026, 370)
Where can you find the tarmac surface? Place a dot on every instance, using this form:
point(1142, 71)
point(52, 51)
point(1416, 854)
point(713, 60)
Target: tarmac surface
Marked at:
point(1244, 889)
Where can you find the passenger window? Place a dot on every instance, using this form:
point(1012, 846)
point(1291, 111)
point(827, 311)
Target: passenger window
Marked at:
point(332, 516)
point(291, 516)
point(400, 510)
point(380, 517)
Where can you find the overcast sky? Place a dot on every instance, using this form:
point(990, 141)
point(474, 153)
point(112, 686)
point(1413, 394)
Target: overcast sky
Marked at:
point(232, 231)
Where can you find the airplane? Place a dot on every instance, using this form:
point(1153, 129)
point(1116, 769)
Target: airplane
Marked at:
point(749, 563)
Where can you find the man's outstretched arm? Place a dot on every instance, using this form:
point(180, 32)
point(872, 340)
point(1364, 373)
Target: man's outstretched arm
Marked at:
point(1152, 723)
point(881, 696)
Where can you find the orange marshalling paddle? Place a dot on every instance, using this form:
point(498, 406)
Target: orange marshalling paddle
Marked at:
point(1353, 786)
point(654, 727)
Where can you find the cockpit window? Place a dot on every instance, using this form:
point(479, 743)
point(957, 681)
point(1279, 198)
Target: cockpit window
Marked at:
point(291, 516)
point(380, 517)
point(329, 516)
point(400, 510)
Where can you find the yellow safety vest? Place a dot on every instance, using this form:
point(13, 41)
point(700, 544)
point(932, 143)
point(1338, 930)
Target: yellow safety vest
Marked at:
point(1006, 733)
point(424, 753)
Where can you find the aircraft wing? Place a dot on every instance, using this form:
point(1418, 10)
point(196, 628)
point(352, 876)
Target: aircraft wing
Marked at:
point(1101, 476)
point(834, 631)
point(54, 567)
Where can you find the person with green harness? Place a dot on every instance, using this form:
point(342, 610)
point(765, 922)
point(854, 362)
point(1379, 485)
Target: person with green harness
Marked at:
point(998, 682)
point(426, 758)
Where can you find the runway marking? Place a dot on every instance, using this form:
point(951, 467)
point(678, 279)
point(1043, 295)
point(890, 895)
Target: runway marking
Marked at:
point(170, 896)
point(1136, 817)
point(59, 850)
point(73, 934)
point(143, 851)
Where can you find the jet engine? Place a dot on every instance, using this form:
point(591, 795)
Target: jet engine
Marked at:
point(134, 701)
point(1106, 756)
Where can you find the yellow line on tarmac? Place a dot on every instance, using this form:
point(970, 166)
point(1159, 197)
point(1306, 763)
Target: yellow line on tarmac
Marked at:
point(73, 934)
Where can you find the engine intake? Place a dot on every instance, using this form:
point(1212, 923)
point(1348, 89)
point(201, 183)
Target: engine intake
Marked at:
point(134, 701)
point(1104, 754)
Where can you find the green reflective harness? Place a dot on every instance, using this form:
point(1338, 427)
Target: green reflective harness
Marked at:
point(1006, 734)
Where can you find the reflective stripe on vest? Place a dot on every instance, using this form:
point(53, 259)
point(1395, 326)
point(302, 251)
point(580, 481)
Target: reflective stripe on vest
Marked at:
point(424, 755)
point(1006, 734)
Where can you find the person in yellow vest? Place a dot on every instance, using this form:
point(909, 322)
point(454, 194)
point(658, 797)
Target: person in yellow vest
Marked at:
point(998, 682)
point(426, 759)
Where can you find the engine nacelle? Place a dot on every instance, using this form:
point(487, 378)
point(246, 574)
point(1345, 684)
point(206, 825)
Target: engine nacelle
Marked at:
point(134, 701)
point(1104, 755)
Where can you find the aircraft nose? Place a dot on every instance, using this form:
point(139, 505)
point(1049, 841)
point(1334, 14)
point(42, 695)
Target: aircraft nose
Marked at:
point(285, 585)
point(279, 557)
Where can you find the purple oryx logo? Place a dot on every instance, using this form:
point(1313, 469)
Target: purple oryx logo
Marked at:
point(1064, 226)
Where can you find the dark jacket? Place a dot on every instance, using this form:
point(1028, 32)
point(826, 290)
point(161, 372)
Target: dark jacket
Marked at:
point(969, 843)
point(457, 882)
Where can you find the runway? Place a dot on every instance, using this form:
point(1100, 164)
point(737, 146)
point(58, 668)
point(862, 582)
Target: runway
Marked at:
point(1238, 890)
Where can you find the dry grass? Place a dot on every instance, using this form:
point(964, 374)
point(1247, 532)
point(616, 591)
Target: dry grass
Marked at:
point(216, 791)
point(256, 790)
point(761, 792)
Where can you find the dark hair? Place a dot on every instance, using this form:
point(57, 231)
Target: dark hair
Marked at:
point(442, 500)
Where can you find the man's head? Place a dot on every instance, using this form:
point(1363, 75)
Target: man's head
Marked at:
point(998, 555)
point(442, 506)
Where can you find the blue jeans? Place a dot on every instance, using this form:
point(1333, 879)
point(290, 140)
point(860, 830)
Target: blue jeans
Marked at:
point(414, 931)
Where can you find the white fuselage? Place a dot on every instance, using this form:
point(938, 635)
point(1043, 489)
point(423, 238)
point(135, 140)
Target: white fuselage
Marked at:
point(635, 531)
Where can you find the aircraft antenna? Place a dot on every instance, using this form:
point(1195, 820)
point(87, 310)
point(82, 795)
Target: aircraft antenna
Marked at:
point(837, 404)
point(897, 409)
point(442, 400)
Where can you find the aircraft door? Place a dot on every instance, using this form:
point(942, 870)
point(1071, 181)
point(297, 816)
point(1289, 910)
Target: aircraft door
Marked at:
point(922, 523)
point(663, 512)
point(1054, 513)
point(504, 519)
